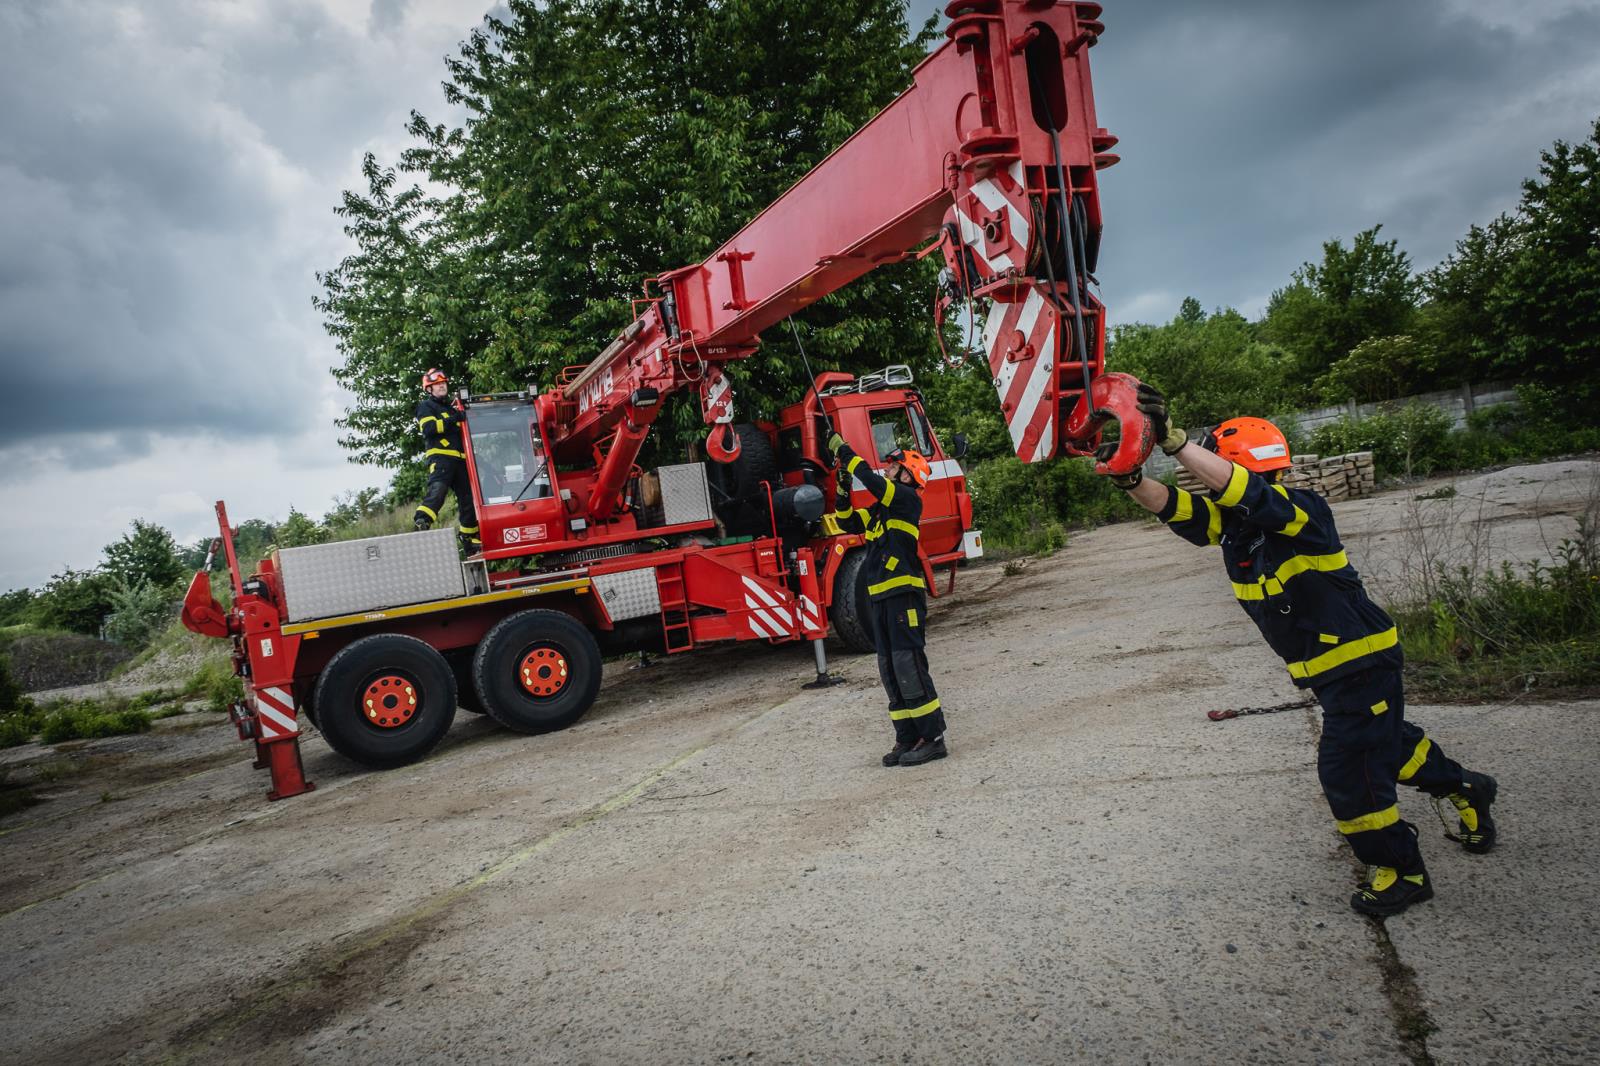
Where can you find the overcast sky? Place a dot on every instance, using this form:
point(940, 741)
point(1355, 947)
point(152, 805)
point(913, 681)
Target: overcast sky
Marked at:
point(168, 171)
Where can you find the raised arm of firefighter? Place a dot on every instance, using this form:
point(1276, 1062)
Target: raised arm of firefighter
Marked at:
point(440, 424)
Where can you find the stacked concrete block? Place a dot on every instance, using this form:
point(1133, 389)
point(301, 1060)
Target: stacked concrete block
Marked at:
point(1334, 477)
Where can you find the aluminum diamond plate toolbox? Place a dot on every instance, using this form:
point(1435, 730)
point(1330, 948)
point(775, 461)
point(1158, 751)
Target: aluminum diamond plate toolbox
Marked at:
point(628, 593)
point(351, 576)
point(684, 496)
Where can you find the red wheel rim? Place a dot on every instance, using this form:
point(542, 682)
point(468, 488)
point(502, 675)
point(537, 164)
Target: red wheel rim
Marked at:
point(389, 701)
point(543, 672)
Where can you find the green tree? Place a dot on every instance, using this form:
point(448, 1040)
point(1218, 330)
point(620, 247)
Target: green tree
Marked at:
point(1455, 322)
point(1210, 367)
point(607, 141)
point(15, 606)
point(300, 529)
point(146, 554)
point(74, 600)
point(1363, 291)
point(139, 612)
point(1379, 368)
point(1546, 305)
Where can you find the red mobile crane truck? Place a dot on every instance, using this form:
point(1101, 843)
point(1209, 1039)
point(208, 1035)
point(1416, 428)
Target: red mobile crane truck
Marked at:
point(991, 155)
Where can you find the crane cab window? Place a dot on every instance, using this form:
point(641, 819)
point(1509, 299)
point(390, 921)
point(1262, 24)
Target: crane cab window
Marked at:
point(508, 453)
point(900, 427)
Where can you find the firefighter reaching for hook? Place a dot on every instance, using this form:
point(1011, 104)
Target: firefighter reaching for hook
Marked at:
point(896, 593)
point(1291, 575)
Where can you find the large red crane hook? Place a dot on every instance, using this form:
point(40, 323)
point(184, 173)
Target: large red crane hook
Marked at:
point(1114, 397)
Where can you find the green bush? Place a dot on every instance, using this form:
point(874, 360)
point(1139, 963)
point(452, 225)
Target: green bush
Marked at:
point(215, 683)
point(88, 719)
point(1480, 635)
point(1027, 507)
point(138, 613)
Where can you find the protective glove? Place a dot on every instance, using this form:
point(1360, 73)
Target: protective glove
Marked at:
point(841, 492)
point(1121, 481)
point(835, 442)
point(1154, 407)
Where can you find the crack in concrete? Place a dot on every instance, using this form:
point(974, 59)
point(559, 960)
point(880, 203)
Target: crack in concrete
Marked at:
point(1407, 1009)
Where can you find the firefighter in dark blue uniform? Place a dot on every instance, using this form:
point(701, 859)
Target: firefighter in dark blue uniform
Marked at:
point(1290, 573)
point(896, 593)
point(440, 423)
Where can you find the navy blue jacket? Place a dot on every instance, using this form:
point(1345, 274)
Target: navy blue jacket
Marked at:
point(1290, 574)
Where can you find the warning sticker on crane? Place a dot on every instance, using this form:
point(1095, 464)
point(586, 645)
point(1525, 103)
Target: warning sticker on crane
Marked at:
point(524, 534)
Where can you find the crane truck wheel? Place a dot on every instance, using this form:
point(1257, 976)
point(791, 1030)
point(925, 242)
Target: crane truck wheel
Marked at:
point(385, 700)
point(848, 612)
point(537, 671)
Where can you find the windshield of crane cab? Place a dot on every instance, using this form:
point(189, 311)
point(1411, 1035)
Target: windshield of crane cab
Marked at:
point(508, 453)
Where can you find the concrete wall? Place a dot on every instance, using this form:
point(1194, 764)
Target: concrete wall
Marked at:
point(1458, 403)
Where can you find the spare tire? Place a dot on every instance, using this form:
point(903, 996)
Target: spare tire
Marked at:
point(737, 495)
point(848, 611)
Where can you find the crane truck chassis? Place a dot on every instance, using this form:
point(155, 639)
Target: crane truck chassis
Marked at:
point(990, 158)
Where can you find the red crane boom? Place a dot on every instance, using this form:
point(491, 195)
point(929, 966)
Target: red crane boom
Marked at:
point(992, 152)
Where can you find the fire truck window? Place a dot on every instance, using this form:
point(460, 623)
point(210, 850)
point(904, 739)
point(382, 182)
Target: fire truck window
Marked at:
point(919, 426)
point(789, 452)
point(890, 430)
point(508, 453)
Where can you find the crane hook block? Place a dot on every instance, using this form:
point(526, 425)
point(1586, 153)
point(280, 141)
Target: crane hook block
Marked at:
point(722, 444)
point(1114, 397)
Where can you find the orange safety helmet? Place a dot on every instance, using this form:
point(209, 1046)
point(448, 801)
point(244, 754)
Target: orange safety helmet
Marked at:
point(913, 461)
point(1253, 443)
point(434, 377)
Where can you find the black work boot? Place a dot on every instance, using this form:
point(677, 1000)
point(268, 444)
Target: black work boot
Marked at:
point(893, 756)
point(1472, 804)
point(924, 751)
point(421, 523)
point(1390, 892)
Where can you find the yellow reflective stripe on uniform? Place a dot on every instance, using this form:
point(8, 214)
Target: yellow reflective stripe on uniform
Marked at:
point(1418, 757)
point(429, 511)
point(1328, 638)
point(911, 617)
point(1233, 492)
point(904, 527)
point(1345, 653)
point(903, 581)
point(468, 529)
point(894, 561)
point(855, 461)
point(915, 712)
point(1297, 523)
point(446, 451)
point(1264, 586)
point(1185, 509)
point(1214, 523)
point(1380, 707)
point(1299, 564)
point(888, 492)
point(1367, 822)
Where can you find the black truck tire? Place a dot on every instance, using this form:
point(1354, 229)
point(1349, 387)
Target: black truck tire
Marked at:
point(736, 493)
point(848, 611)
point(537, 671)
point(385, 700)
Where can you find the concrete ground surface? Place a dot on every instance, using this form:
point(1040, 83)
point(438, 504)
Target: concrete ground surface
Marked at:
point(713, 867)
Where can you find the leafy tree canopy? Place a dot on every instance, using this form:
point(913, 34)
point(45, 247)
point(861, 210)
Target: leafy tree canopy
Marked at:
point(144, 555)
point(607, 141)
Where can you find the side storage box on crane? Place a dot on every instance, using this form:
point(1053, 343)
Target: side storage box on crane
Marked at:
point(353, 576)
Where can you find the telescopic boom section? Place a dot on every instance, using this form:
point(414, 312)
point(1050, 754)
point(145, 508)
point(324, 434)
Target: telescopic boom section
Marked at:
point(992, 153)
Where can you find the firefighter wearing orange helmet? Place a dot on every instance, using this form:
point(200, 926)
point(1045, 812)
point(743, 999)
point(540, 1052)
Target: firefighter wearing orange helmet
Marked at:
point(896, 592)
point(440, 423)
point(1290, 573)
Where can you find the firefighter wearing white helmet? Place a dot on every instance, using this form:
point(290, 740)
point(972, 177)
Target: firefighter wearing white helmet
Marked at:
point(1290, 573)
point(440, 422)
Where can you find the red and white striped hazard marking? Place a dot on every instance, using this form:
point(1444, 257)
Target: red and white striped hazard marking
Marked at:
point(810, 614)
point(999, 199)
point(275, 714)
point(1021, 341)
point(766, 610)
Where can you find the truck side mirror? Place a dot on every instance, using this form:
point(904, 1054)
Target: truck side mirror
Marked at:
point(960, 442)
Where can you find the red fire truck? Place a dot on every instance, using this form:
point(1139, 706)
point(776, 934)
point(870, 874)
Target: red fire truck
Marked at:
point(990, 158)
